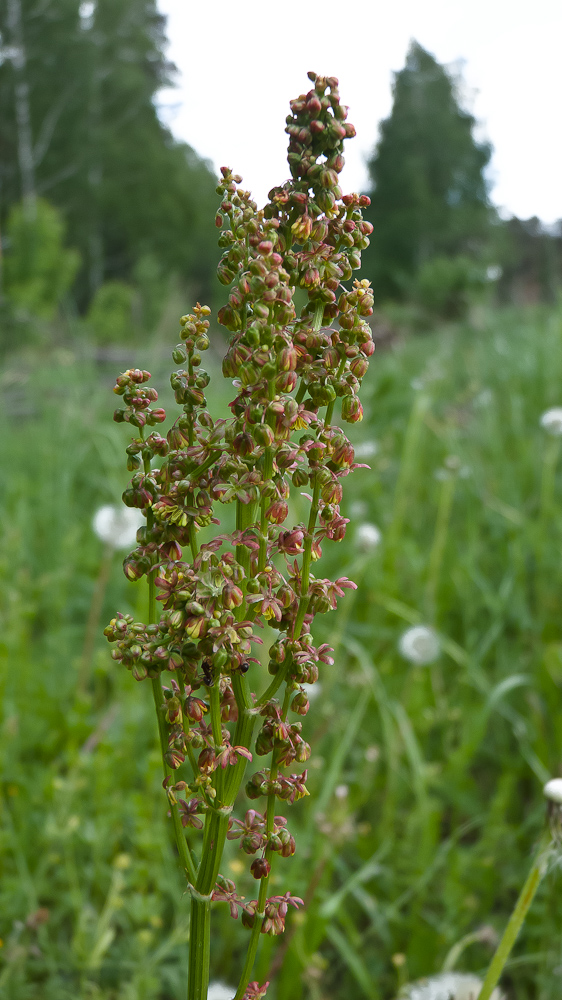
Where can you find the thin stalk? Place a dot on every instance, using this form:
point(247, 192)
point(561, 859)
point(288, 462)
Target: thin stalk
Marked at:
point(435, 562)
point(516, 919)
point(93, 618)
point(183, 850)
point(402, 495)
point(548, 476)
point(264, 884)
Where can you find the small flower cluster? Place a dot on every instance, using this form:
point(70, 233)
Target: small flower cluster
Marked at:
point(288, 371)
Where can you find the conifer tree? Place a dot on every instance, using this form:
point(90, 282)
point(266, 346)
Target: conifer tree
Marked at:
point(429, 194)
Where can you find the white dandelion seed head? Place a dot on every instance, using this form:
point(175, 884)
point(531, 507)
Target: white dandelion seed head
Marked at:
point(367, 537)
point(553, 790)
point(551, 421)
point(358, 509)
point(341, 791)
point(117, 526)
point(365, 449)
point(420, 645)
point(448, 986)
point(220, 991)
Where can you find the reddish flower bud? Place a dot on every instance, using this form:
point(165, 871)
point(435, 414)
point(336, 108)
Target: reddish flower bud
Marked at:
point(359, 367)
point(332, 492)
point(260, 868)
point(277, 512)
point(351, 409)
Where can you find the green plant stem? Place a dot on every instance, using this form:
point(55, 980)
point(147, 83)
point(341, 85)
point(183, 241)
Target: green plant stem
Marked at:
point(548, 476)
point(226, 788)
point(402, 495)
point(435, 562)
point(269, 856)
point(199, 948)
point(183, 850)
point(516, 919)
point(186, 860)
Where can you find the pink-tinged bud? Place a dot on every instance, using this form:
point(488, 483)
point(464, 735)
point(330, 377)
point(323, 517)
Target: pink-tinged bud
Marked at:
point(251, 843)
point(300, 703)
point(300, 477)
point(243, 444)
point(343, 455)
point(291, 542)
point(316, 126)
point(332, 493)
point(194, 709)
point(232, 596)
point(277, 512)
point(286, 381)
point(338, 528)
point(206, 759)
point(156, 416)
point(359, 367)
point(287, 359)
point(260, 868)
point(313, 105)
point(139, 672)
point(173, 711)
point(368, 348)
point(289, 846)
point(351, 409)
point(302, 227)
point(349, 131)
point(286, 595)
point(174, 758)
point(218, 221)
point(328, 178)
point(311, 277)
point(196, 627)
point(331, 358)
point(265, 247)
point(263, 435)
point(171, 550)
point(132, 570)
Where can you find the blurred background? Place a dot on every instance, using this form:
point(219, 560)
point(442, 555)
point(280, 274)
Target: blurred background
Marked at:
point(427, 767)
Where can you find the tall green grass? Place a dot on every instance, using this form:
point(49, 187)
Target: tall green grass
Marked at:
point(425, 782)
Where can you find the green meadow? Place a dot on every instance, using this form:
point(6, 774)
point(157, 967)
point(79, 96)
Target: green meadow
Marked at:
point(426, 781)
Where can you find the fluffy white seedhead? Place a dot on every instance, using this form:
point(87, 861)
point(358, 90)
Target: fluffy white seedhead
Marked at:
point(551, 420)
point(220, 991)
point(447, 986)
point(553, 790)
point(365, 449)
point(420, 645)
point(367, 537)
point(117, 526)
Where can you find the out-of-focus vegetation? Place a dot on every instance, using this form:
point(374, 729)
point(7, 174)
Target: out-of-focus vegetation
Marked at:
point(425, 781)
point(79, 127)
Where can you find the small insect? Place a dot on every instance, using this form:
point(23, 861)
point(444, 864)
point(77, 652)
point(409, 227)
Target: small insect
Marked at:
point(207, 669)
point(244, 667)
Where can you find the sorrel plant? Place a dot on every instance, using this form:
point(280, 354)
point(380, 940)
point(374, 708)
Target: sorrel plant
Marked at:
point(290, 372)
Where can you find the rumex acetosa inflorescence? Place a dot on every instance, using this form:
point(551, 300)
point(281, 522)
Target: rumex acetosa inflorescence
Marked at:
point(290, 371)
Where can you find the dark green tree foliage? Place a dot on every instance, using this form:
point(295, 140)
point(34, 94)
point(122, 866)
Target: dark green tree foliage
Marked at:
point(429, 195)
point(530, 255)
point(100, 153)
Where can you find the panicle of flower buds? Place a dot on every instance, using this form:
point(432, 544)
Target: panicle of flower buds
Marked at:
point(289, 371)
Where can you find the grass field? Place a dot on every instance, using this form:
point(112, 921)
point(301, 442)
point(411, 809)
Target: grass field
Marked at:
point(425, 782)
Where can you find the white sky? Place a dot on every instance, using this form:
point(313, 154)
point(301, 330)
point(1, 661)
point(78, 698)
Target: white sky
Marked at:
point(241, 62)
